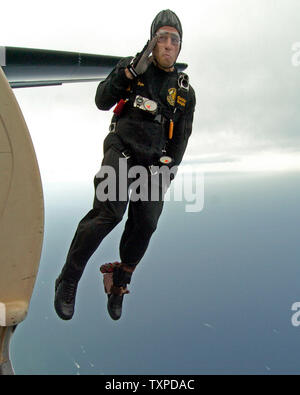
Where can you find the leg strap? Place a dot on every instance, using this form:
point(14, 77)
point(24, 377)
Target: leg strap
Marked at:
point(116, 276)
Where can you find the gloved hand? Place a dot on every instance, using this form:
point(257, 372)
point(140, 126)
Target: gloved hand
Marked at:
point(141, 62)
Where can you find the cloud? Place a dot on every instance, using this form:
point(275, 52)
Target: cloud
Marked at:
point(247, 96)
point(239, 55)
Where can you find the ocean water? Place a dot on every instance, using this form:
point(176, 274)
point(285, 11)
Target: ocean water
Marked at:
point(213, 294)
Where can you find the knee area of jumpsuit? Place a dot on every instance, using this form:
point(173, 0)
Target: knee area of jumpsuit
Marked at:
point(148, 225)
point(109, 218)
point(118, 218)
point(113, 215)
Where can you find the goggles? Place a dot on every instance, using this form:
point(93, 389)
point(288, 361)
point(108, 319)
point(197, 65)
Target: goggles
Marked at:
point(163, 35)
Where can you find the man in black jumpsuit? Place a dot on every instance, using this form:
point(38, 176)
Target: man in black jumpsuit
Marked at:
point(151, 127)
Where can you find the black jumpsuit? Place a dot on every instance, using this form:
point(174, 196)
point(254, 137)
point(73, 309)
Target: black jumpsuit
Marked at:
point(143, 137)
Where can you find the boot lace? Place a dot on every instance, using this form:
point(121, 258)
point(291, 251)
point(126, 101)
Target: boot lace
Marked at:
point(69, 291)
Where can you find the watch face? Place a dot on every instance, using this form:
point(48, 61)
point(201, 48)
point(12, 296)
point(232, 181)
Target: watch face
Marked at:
point(165, 160)
point(145, 104)
point(150, 105)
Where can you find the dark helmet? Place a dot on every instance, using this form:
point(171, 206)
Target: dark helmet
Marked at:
point(166, 18)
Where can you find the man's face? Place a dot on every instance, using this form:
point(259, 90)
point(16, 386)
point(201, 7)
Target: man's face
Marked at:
point(167, 47)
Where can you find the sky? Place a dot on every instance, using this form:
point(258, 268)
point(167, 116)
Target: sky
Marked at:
point(241, 64)
point(211, 297)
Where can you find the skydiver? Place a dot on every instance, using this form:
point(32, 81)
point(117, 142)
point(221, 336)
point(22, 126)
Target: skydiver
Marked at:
point(143, 134)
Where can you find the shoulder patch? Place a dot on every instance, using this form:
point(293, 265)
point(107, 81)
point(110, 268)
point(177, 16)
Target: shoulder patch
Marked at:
point(181, 101)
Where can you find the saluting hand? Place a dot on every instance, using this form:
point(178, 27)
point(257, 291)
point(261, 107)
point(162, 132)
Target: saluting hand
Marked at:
point(142, 60)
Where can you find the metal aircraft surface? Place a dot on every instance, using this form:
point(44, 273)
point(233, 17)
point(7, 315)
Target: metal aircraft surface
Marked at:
point(28, 67)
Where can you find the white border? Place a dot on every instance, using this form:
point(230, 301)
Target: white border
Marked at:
point(2, 56)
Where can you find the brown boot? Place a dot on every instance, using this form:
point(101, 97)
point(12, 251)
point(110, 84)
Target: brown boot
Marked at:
point(115, 302)
point(116, 276)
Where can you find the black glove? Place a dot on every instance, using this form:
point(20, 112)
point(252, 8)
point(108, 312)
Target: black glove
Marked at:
point(141, 62)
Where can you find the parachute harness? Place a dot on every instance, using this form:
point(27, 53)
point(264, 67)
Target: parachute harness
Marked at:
point(181, 99)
